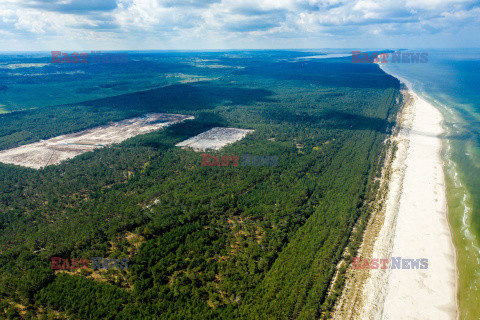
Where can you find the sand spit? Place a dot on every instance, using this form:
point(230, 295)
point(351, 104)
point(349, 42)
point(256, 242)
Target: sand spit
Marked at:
point(55, 150)
point(214, 138)
point(412, 224)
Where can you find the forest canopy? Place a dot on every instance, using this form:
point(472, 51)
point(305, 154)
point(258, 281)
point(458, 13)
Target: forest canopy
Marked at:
point(202, 242)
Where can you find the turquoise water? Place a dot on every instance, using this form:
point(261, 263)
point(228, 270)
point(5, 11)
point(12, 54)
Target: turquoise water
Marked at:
point(450, 80)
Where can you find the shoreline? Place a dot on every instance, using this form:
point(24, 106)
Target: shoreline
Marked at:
point(422, 227)
point(413, 224)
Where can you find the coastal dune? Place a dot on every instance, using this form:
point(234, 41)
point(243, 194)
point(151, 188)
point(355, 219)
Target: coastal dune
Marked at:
point(412, 224)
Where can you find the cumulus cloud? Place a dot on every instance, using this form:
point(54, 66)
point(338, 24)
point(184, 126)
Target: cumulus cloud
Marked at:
point(207, 23)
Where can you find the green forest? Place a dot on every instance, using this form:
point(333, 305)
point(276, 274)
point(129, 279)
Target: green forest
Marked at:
point(202, 242)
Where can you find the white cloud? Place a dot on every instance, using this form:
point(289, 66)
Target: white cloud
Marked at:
point(210, 22)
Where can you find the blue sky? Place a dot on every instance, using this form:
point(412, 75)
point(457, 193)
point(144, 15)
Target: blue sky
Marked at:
point(47, 25)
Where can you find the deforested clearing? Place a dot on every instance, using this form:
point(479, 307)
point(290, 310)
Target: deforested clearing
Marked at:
point(55, 150)
point(214, 138)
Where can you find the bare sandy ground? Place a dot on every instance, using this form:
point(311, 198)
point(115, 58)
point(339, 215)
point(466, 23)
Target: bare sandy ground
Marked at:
point(214, 138)
point(55, 150)
point(413, 224)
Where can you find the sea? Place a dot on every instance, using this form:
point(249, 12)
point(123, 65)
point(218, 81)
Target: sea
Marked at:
point(450, 80)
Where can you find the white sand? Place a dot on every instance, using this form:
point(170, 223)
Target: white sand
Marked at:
point(214, 138)
point(415, 227)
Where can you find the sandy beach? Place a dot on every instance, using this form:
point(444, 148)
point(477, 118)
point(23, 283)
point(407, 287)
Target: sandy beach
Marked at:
point(422, 229)
point(412, 224)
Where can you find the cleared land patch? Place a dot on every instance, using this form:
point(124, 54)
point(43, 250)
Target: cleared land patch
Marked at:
point(55, 150)
point(214, 138)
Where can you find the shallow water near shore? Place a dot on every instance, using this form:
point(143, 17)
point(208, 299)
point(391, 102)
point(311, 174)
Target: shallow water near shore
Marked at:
point(450, 82)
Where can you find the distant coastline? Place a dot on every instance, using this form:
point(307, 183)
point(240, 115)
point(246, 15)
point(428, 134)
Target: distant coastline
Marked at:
point(423, 215)
point(412, 222)
point(456, 96)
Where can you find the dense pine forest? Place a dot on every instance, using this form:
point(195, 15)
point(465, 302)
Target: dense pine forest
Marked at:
point(227, 242)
